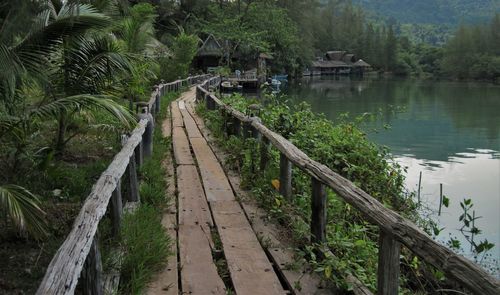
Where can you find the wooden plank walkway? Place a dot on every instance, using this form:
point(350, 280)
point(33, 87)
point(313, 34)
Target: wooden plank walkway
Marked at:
point(206, 204)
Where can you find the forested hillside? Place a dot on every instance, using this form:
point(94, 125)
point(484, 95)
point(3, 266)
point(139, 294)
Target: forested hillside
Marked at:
point(433, 11)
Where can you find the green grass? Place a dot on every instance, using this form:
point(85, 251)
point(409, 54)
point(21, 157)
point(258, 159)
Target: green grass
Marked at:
point(144, 240)
point(146, 246)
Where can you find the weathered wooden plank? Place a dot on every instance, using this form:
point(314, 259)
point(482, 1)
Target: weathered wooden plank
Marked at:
point(190, 124)
point(318, 211)
point(193, 206)
point(176, 114)
point(250, 270)
point(388, 265)
point(302, 280)
point(453, 265)
point(216, 185)
point(198, 271)
point(64, 270)
point(182, 152)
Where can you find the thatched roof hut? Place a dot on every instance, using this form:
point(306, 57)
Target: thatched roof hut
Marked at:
point(334, 55)
point(329, 64)
point(349, 58)
point(210, 47)
point(361, 63)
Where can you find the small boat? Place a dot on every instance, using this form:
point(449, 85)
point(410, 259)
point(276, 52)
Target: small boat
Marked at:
point(226, 86)
point(283, 77)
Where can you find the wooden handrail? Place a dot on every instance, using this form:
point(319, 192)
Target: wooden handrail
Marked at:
point(80, 249)
point(64, 270)
point(392, 225)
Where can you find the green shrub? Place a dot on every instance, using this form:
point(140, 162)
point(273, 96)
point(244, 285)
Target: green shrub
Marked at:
point(344, 148)
point(146, 246)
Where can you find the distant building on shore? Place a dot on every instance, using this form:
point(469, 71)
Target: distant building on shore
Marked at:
point(338, 63)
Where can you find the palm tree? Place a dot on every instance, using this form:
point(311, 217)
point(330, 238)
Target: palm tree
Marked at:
point(74, 61)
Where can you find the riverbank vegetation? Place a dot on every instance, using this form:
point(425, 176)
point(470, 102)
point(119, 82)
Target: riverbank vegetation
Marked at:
point(344, 148)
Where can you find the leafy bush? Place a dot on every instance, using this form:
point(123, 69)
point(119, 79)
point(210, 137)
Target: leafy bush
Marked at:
point(345, 149)
point(146, 247)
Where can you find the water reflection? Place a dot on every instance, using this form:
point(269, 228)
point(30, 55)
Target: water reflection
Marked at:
point(441, 119)
point(450, 131)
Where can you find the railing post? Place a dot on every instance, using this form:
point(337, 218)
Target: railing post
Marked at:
point(133, 184)
point(116, 209)
point(388, 264)
point(147, 137)
point(318, 211)
point(246, 130)
point(264, 153)
point(157, 103)
point(225, 123)
point(236, 126)
point(285, 177)
point(92, 270)
point(139, 157)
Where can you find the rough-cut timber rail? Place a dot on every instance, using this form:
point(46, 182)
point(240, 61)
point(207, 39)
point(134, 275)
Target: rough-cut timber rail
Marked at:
point(80, 249)
point(394, 228)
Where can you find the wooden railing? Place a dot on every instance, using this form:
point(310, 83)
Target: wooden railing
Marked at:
point(394, 229)
point(79, 254)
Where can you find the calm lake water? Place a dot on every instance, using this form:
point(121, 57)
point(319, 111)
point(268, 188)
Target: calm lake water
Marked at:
point(449, 131)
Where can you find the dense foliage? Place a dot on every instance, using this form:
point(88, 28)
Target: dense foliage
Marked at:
point(344, 148)
point(68, 71)
point(474, 52)
point(294, 33)
point(433, 11)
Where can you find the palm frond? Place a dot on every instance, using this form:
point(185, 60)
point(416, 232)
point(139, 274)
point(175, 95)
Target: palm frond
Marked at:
point(23, 209)
point(82, 102)
point(94, 62)
point(71, 20)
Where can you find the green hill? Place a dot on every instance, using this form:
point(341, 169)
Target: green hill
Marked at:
point(433, 11)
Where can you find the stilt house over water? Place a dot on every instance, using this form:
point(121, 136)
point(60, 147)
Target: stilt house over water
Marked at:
point(338, 63)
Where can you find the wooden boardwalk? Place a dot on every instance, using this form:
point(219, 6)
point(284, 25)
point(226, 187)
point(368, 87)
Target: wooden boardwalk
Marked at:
point(208, 213)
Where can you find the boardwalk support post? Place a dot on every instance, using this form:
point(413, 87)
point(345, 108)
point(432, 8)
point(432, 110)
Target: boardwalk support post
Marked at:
point(116, 209)
point(285, 177)
point(92, 273)
point(318, 211)
point(388, 264)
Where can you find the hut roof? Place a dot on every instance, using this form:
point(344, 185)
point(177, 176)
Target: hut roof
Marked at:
point(329, 64)
point(335, 55)
point(349, 58)
point(211, 47)
point(361, 63)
